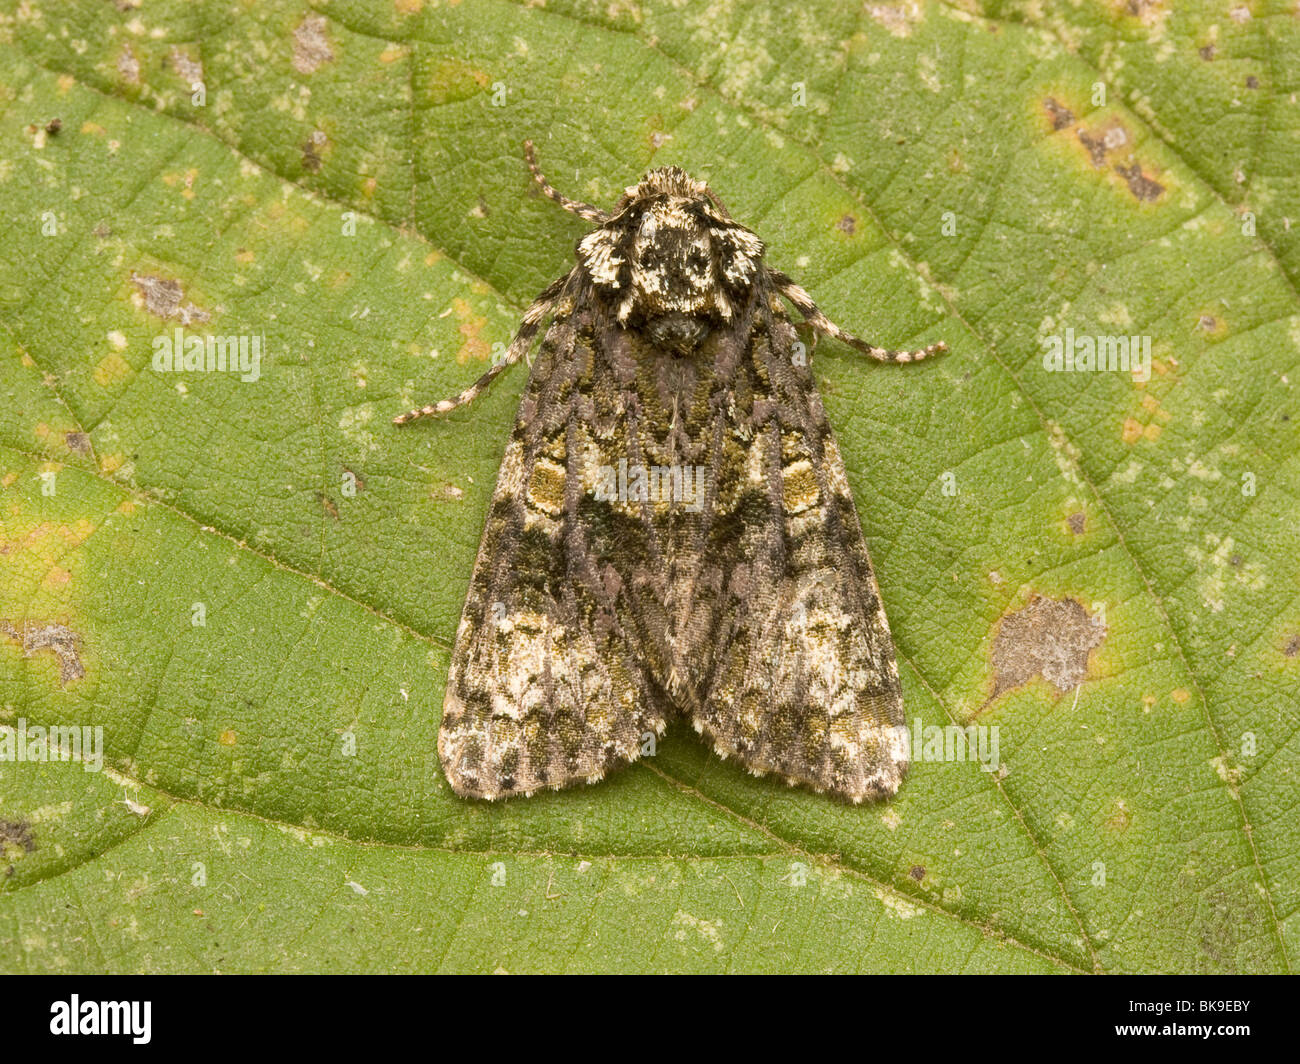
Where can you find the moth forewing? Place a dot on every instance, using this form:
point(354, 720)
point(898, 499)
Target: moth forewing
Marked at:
point(672, 532)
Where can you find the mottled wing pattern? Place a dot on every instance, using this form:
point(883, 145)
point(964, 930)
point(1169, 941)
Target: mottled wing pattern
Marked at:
point(548, 685)
point(742, 598)
point(794, 665)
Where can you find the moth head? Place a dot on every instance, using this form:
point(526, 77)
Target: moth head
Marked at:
point(671, 259)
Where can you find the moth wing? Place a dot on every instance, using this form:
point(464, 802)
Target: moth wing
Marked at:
point(803, 681)
point(546, 687)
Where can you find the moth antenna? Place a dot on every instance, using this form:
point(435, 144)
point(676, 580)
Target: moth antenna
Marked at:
point(582, 210)
point(804, 304)
point(532, 320)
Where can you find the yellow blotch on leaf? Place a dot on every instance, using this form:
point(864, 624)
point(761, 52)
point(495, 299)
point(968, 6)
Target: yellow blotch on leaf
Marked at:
point(111, 369)
point(471, 328)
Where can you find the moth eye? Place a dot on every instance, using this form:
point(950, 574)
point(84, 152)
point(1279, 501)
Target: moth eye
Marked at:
point(697, 260)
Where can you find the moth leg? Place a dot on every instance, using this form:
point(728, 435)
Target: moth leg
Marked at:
point(803, 303)
point(532, 320)
point(582, 210)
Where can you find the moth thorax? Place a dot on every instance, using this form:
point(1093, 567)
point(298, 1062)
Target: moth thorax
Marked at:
point(676, 294)
point(674, 267)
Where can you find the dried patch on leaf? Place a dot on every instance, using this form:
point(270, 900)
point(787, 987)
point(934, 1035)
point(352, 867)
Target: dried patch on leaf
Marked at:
point(78, 442)
point(128, 65)
point(1108, 138)
point(311, 151)
point(185, 65)
point(898, 18)
point(17, 833)
point(311, 46)
point(1060, 115)
point(16, 839)
point(1146, 189)
point(58, 638)
point(1051, 638)
point(162, 297)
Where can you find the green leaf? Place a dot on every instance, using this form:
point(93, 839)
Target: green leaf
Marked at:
point(1106, 569)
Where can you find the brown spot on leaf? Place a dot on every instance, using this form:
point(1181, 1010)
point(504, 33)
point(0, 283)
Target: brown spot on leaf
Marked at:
point(1060, 115)
point(328, 505)
point(17, 833)
point(1077, 522)
point(1051, 638)
point(1096, 146)
point(311, 46)
point(58, 638)
point(1252, 82)
point(848, 224)
point(162, 297)
point(1208, 52)
point(1291, 647)
point(53, 126)
point(917, 872)
point(16, 839)
point(311, 149)
point(1146, 189)
point(78, 442)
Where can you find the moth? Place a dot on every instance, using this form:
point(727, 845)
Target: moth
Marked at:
point(672, 532)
